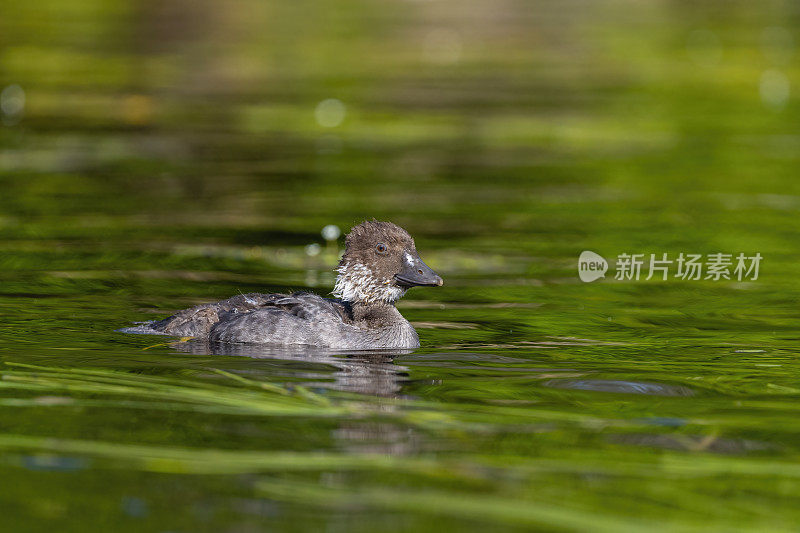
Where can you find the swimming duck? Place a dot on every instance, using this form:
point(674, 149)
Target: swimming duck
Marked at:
point(380, 263)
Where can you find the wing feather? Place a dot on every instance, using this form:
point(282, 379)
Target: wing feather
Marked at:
point(198, 321)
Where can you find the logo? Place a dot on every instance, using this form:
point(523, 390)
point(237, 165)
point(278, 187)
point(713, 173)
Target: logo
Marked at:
point(686, 266)
point(591, 266)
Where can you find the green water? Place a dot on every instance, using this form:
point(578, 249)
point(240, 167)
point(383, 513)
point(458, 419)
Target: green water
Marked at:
point(170, 154)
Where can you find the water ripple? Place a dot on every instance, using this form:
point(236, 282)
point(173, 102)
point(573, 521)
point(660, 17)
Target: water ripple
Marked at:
point(620, 386)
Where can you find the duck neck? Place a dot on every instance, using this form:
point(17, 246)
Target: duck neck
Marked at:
point(376, 314)
point(381, 324)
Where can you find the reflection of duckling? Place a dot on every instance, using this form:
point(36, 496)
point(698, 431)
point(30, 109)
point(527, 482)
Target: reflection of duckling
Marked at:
point(370, 372)
point(379, 264)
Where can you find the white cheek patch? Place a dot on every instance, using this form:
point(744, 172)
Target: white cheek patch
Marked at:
point(357, 283)
point(409, 259)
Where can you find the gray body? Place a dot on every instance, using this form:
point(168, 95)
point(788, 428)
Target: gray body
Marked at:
point(300, 318)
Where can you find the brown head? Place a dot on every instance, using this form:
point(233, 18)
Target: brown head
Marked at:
point(379, 264)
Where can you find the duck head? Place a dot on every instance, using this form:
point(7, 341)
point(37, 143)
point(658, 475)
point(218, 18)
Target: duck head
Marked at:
point(380, 263)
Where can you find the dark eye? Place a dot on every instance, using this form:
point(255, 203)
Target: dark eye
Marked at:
point(381, 248)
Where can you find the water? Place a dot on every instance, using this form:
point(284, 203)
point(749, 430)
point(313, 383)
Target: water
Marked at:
point(155, 157)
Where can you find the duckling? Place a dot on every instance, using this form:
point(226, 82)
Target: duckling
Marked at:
point(380, 263)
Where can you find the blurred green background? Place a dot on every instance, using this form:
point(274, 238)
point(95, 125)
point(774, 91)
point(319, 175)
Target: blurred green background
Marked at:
point(158, 154)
